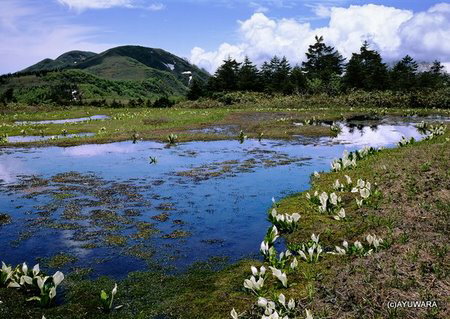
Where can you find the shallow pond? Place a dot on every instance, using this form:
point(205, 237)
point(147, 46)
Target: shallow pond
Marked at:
point(34, 138)
point(110, 208)
point(64, 121)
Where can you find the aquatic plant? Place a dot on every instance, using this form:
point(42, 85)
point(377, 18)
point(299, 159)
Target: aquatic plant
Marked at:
point(4, 138)
point(172, 139)
point(107, 301)
point(335, 128)
point(406, 141)
point(327, 203)
point(280, 275)
point(31, 280)
point(284, 222)
point(340, 215)
point(241, 137)
point(349, 159)
point(135, 137)
point(260, 136)
point(311, 250)
point(374, 243)
point(435, 131)
point(343, 187)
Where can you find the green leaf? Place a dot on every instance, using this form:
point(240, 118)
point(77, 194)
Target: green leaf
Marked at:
point(104, 296)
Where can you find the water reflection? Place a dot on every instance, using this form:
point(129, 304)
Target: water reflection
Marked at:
point(375, 135)
point(75, 120)
point(34, 138)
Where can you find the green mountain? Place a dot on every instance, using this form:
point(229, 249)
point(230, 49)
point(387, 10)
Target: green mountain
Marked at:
point(122, 73)
point(66, 60)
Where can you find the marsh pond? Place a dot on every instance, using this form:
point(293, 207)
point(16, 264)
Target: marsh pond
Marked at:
point(121, 207)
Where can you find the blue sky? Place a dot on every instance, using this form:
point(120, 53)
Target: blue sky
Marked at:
point(207, 31)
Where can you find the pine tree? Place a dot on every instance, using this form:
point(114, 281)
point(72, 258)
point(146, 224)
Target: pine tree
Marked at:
point(322, 61)
point(365, 70)
point(298, 80)
point(248, 77)
point(195, 91)
point(404, 74)
point(226, 76)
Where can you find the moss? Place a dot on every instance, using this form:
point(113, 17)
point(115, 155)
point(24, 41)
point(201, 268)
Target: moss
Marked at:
point(115, 240)
point(5, 219)
point(177, 234)
point(60, 260)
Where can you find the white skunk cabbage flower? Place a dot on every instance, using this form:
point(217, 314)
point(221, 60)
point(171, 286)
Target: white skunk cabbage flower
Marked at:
point(294, 264)
point(58, 277)
point(348, 179)
point(36, 270)
point(291, 304)
point(308, 314)
point(262, 302)
point(364, 192)
point(315, 238)
point(340, 215)
point(281, 276)
point(234, 314)
point(282, 299)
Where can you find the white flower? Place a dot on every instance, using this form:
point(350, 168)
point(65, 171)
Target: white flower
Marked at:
point(36, 270)
point(294, 264)
point(58, 277)
point(308, 196)
point(358, 245)
point(262, 302)
point(340, 215)
point(291, 304)
point(264, 247)
point(253, 284)
point(254, 270)
point(315, 238)
point(234, 314)
point(348, 179)
point(281, 276)
point(282, 299)
point(340, 251)
point(364, 192)
point(359, 202)
point(345, 244)
point(302, 254)
point(308, 314)
point(52, 293)
point(24, 268)
point(333, 199)
point(114, 291)
point(295, 217)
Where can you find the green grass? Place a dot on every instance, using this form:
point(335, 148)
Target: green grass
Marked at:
point(269, 118)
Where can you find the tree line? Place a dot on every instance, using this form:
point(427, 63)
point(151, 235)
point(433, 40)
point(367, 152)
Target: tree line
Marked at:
point(324, 71)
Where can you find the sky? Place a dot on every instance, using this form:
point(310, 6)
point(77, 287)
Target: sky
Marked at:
point(207, 32)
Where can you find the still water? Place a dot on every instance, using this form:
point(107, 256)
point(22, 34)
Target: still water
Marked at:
point(114, 211)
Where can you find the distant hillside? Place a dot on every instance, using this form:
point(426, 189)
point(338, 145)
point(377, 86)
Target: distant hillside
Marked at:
point(66, 60)
point(126, 72)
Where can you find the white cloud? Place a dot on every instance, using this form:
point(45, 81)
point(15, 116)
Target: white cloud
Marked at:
point(156, 7)
point(394, 32)
point(81, 5)
point(96, 4)
point(31, 35)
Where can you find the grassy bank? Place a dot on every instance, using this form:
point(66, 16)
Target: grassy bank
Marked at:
point(411, 214)
point(272, 118)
